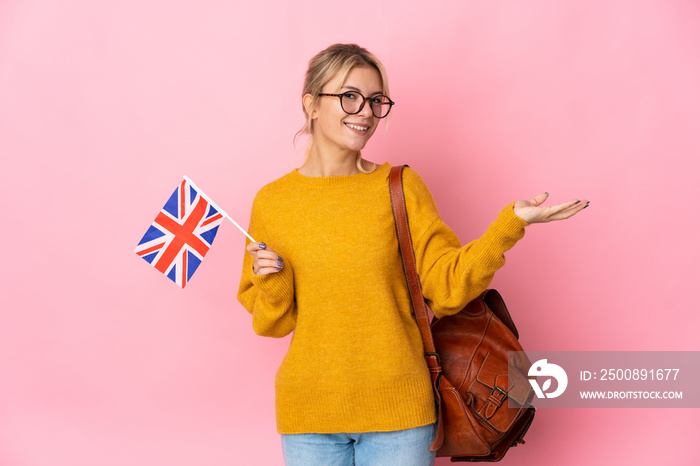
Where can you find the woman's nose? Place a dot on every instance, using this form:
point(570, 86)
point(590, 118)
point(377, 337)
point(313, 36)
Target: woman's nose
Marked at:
point(366, 110)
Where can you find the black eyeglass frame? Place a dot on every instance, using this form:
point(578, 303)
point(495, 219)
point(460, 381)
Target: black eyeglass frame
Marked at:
point(391, 103)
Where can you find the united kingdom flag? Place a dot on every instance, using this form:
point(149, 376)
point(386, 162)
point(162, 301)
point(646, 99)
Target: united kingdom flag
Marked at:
point(182, 233)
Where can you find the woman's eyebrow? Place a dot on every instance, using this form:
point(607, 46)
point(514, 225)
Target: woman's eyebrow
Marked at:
point(353, 88)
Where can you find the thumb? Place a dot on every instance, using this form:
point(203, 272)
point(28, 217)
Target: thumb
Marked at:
point(540, 198)
point(255, 247)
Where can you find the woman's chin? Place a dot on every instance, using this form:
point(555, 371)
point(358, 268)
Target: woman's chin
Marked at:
point(357, 145)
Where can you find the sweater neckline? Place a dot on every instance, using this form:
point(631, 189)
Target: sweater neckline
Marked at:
point(381, 170)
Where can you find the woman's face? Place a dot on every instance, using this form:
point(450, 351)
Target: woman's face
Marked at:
point(332, 126)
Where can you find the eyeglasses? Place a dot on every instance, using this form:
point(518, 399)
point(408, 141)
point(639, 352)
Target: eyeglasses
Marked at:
point(353, 102)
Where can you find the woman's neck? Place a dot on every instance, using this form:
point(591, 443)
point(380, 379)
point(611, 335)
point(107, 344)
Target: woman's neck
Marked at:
point(327, 164)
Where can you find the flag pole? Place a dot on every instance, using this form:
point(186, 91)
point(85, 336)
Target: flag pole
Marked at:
point(201, 193)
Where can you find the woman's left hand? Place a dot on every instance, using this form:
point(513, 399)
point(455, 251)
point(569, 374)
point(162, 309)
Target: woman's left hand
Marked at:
point(532, 211)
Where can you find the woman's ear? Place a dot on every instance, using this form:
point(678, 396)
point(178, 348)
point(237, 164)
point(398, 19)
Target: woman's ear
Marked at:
point(308, 102)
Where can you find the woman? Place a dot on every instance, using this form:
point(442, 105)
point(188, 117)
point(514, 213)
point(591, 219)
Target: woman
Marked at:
point(354, 385)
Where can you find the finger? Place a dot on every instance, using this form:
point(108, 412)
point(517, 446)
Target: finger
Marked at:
point(567, 205)
point(266, 271)
point(539, 199)
point(256, 250)
point(268, 254)
point(254, 247)
point(570, 211)
point(276, 262)
point(266, 266)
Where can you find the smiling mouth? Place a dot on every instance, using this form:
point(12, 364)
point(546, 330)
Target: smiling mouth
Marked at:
point(357, 127)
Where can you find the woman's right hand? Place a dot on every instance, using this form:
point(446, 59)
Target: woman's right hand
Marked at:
point(265, 260)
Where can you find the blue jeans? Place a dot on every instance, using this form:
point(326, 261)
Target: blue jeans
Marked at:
point(400, 447)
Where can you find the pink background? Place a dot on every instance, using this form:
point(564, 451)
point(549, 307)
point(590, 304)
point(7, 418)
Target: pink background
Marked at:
point(105, 105)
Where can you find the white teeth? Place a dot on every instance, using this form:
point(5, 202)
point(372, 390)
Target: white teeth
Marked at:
point(359, 128)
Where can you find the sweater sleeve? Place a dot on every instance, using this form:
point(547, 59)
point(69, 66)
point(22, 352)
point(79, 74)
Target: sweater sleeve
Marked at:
point(269, 298)
point(452, 274)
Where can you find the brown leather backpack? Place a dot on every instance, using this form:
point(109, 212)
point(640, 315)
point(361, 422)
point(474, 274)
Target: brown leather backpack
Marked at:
point(483, 409)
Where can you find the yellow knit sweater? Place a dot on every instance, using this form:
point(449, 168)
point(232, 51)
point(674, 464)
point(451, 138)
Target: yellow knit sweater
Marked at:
point(355, 362)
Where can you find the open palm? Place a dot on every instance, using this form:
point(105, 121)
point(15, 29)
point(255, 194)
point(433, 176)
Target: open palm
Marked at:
point(532, 210)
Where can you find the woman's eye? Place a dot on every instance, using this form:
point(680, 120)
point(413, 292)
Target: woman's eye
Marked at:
point(376, 100)
point(350, 95)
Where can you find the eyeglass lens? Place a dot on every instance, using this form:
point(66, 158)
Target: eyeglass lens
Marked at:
point(351, 102)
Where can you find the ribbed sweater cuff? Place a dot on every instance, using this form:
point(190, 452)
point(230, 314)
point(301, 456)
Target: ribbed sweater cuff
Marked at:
point(509, 223)
point(502, 234)
point(278, 287)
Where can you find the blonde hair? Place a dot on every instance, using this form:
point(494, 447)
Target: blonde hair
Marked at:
point(338, 58)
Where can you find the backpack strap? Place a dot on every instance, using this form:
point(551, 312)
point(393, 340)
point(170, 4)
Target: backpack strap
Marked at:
point(398, 205)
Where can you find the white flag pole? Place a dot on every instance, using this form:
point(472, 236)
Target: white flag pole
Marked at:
point(217, 207)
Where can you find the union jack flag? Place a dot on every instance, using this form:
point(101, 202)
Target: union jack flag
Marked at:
point(182, 233)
